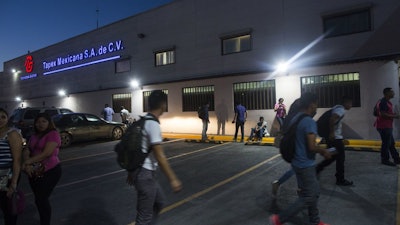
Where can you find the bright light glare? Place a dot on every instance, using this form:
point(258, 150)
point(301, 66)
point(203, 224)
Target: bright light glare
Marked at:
point(18, 99)
point(298, 54)
point(134, 83)
point(282, 67)
point(62, 93)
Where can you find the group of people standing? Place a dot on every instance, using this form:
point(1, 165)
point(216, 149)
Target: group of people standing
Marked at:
point(38, 159)
point(108, 114)
point(240, 118)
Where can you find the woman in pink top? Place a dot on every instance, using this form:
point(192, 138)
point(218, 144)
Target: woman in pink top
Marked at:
point(280, 110)
point(43, 148)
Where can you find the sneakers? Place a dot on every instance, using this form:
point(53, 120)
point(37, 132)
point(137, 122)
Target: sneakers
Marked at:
point(388, 163)
point(274, 220)
point(344, 182)
point(275, 187)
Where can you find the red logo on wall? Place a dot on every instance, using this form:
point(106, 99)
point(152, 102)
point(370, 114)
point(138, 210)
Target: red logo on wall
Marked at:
point(28, 63)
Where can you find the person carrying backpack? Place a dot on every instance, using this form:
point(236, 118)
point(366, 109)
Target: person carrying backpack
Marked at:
point(203, 115)
point(149, 194)
point(303, 164)
point(332, 120)
point(384, 125)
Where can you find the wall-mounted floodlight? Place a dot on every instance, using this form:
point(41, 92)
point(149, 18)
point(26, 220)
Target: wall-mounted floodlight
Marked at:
point(62, 93)
point(15, 71)
point(282, 67)
point(134, 84)
point(18, 99)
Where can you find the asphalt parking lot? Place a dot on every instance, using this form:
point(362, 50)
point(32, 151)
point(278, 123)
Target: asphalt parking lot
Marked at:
point(225, 183)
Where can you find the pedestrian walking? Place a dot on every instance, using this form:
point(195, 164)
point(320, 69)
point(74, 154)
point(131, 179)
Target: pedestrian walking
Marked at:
point(303, 165)
point(150, 199)
point(384, 125)
point(334, 138)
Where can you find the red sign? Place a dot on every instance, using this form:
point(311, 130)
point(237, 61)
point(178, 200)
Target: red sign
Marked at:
point(28, 63)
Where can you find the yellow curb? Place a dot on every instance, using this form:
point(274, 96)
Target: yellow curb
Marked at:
point(350, 143)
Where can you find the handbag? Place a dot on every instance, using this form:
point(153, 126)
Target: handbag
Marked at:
point(38, 170)
point(16, 204)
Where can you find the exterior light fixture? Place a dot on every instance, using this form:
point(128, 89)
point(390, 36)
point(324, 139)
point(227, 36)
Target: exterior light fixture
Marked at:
point(18, 99)
point(282, 67)
point(134, 84)
point(15, 71)
point(62, 93)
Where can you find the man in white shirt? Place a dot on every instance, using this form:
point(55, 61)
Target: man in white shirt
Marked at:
point(335, 139)
point(124, 115)
point(149, 194)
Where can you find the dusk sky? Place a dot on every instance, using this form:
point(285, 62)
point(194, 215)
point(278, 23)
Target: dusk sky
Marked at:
point(31, 25)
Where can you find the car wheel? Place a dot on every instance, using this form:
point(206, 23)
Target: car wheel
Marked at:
point(66, 139)
point(117, 133)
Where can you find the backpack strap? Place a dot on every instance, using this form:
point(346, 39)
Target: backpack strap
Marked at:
point(293, 126)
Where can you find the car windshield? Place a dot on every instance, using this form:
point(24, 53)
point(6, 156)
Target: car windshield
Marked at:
point(92, 118)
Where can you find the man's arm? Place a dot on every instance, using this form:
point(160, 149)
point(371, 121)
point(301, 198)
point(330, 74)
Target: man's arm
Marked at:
point(332, 122)
point(175, 183)
point(312, 147)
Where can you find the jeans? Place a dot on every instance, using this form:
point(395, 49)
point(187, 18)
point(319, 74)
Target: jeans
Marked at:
point(204, 132)
point(288, 174)
point(280, 121)
point(259, 133)
point(339, 157)
point(42, 188)
point(241, 125)
point(388, 145)
point(308, 196)
point(150, 198)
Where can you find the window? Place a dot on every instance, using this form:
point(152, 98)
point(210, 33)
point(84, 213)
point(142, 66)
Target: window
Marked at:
point(194, 97)
point(347, 23)
point(124, 100)
point(146, 95)
point(165, 57)
point(236, 44)
point(256, 94)
point(123, 65)
point(331, 88)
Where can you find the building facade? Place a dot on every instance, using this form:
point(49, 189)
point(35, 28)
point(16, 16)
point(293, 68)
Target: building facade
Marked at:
point(222, 52)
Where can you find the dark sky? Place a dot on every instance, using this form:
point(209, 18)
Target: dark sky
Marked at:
point(29, 25)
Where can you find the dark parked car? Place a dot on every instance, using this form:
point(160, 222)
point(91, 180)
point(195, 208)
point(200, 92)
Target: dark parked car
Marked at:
point(22, 118)
point(83, 126)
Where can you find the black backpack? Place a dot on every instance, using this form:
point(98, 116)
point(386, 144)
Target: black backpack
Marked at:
point(287, 144)
point(201, 113)
point(130, 155)
point(323, 123)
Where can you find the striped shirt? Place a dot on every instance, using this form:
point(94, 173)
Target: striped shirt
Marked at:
point(5, 153)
